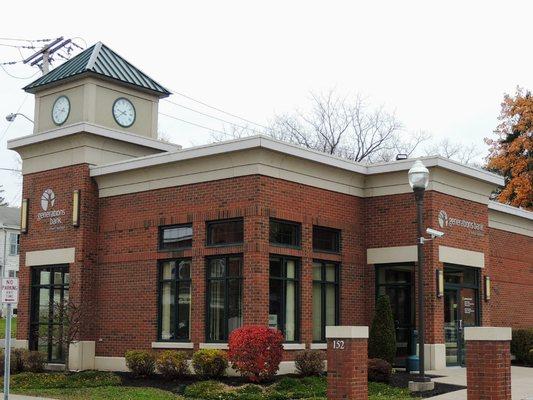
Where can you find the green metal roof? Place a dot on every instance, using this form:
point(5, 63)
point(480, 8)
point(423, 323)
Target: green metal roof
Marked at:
point(100, 60)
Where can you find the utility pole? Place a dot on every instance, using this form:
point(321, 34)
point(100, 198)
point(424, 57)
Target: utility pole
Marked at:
point(43, 55)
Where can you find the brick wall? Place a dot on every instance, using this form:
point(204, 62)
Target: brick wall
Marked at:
point(115, 272)
point(511, 272)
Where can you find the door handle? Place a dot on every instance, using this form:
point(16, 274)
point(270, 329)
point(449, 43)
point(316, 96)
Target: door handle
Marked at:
point(460, 324)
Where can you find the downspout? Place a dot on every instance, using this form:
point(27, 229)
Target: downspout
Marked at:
point(2, 272)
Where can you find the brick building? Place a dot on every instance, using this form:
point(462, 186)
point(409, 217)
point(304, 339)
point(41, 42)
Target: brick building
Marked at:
point(163, 247)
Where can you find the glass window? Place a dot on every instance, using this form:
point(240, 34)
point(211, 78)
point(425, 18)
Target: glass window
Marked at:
point(224, 296)
point(284, 296)
point(175, 237)
point(174, 299)
point(14, 240)
point(325, 298)
point(284, 233)
point(225, 232)
point(326, 239)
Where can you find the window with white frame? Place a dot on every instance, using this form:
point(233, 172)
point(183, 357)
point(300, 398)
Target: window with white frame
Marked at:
point(14, 240)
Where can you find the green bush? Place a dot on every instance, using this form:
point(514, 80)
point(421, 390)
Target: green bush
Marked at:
point(382, 337)
point(521, 342)
point(210, 363)
point(379, 370)
point(141, 362)
point(34, 361)
point(310, 362)
point(529, 358)
point(172, 364)
point(299, 388)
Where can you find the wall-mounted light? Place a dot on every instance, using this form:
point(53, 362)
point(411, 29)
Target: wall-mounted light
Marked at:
point(440, 283)
point(487, 288)
point(76, 208)
point(24, 216)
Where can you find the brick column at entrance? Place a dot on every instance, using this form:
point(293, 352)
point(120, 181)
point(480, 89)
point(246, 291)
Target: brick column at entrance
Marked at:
point(347, 362)
point(488, 363)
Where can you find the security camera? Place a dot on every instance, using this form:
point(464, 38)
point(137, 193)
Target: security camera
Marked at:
point(434, 233)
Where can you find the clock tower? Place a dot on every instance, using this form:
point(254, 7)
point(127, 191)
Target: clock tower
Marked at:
point(98, 87)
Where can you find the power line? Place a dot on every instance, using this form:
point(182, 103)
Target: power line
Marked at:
point(193, 123)
point(17, 77)
point(214, 117)
point(219, 110)
point(9, 125)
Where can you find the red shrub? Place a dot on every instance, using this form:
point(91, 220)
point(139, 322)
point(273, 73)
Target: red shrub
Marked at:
point(256, 351)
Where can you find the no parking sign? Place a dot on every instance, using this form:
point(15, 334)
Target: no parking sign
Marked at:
point(10, 290)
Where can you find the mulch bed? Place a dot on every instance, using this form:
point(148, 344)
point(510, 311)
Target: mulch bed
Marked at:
point(401, 379)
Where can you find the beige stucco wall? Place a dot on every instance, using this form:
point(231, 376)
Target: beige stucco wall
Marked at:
point(510, 223)
point(91, 100)
point(229, 165)
point(76, 149)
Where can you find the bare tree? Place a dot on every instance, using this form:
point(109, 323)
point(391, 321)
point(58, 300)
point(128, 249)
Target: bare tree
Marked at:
point(465, 154)
point(68, 314)
point(344, 126)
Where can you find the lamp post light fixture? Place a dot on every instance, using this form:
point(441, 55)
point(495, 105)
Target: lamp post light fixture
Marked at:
point(418, 180)
point(11, 117)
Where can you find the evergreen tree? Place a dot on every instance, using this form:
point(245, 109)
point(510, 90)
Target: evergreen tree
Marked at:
point(382, 337)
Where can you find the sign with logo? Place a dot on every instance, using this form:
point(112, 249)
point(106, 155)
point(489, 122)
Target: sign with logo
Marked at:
point(54, 217)
point(447, 221)
point(10, 290)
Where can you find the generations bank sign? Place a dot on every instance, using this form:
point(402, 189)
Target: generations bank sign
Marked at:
point(54, 217)
point(448, 221)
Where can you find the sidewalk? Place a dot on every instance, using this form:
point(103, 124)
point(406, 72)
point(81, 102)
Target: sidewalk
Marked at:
point(521, 381)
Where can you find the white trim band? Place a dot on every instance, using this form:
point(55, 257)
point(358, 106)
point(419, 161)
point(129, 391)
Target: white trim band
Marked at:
point(95, 130)
point(385, 255)
point(468, 258)
point(218, 346)
point(488, 333)
point(346, 332)
point(293, 346)
point(50, 257)
point(172, 345)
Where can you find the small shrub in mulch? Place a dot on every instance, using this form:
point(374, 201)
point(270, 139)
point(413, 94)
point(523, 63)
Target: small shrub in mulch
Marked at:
point(210, 363)
point(141, 362)
point(172, 364)
point(379, 370)
point(310, 362)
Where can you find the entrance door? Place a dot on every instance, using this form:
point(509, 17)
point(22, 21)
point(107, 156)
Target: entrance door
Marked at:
point(460, 310)
point(396, 282)
point(49, 296)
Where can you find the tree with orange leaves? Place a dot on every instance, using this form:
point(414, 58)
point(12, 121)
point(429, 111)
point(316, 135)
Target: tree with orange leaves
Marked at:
point(511, 154)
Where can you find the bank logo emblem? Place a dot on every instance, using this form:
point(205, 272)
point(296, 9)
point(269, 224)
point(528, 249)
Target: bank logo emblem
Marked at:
point(48, 199)
point(443, 219)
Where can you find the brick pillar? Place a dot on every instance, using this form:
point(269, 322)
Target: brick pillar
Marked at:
point(347, 362)
point(488, 363)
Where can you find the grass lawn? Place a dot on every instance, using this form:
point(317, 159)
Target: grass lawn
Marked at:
point(3, 328)
point(106, 386)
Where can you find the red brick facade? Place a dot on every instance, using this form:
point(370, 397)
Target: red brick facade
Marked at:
point(347, 369)
point(115, 271)
point(488, 370)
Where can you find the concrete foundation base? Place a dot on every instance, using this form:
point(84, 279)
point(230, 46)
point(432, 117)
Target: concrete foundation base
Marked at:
point(421, 386)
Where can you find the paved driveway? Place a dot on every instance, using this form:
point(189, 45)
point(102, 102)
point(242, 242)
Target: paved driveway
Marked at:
point(521, 381)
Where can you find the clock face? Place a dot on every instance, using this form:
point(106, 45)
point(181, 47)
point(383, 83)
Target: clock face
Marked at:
point(60, 110)
point(124, 112)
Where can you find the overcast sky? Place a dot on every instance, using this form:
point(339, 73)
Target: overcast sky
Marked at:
point(442, 66)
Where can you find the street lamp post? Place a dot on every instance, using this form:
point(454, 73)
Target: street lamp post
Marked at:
point(418, 180)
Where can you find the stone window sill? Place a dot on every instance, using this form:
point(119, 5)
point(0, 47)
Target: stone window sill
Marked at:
point(293, 346)
point(219, 346)
point(172, 345)
point(319, 346)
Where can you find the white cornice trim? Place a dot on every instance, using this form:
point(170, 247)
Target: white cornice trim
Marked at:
point(437, 161)
point(505, 208)
point(260, 141)
point(247, 143)
point(84, 127)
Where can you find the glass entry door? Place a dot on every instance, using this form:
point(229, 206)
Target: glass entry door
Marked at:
point(49, 299)
point(461, 310)
point(396, 281)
